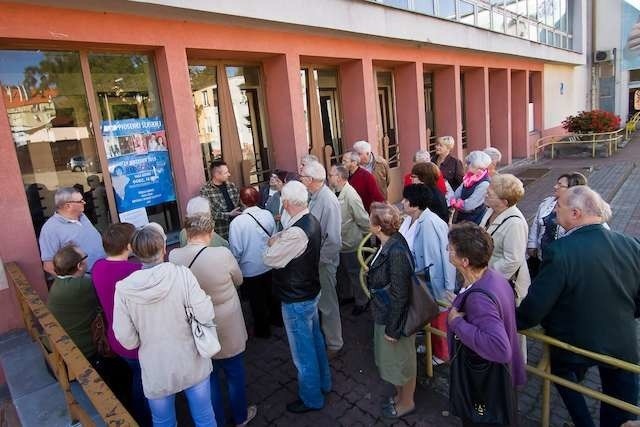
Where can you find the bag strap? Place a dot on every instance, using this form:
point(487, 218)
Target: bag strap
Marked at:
point(195, 257)
point(481, 291)
point(258, 222)
point(503, 221)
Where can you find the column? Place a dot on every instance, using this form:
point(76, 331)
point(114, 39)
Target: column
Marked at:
point(412, 132)
point(286, 115)
point(500, 112)
point(476, 95)
point(519, 107)
point(180, 122)
point(358, 94)
point(448, 108)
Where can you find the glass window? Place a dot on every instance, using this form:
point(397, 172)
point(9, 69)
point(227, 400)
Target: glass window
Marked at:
point(204, 80)
point(497, 2)
point(533, 32)
point(46, 102)
point(466, 12)
point(397, 3)
point(386, 117)
point(246, 96)
point(484, 18)
point(532, 9)
point(133, 133)
point(498, 21)
point(447, 9)
point(329, 108)
point(304, 79)
point(424, 6)
point(512, 25)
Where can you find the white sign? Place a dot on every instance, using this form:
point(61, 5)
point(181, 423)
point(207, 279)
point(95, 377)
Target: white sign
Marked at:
point(4, 283)
point(137, 217)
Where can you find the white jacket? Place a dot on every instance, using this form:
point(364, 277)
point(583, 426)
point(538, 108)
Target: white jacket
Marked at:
point(149, 313)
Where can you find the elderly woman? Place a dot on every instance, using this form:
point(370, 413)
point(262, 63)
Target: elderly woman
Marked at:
point(451, 168)
point(468, 199)
point(496, 157)
point(220, 284)
point(149, 313)
point(482, 323)
point(509, 230)
point(248, 236)
point(429, 175)
point(421, 156)
point(200, 206)
point(544, 228)
point(388, 280)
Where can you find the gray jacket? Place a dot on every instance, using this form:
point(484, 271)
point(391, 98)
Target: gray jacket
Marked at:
point(325, 207)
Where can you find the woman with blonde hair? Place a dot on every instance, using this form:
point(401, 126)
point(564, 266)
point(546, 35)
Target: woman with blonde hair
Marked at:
point(451, 168)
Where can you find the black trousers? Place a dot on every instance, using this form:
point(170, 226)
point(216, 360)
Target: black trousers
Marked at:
point(265, 307)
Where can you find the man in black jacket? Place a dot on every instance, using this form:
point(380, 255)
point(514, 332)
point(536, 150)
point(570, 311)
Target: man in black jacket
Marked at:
point(294, 254)
point(587, 295)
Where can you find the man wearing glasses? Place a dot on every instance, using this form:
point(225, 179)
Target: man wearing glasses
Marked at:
point(69, 224)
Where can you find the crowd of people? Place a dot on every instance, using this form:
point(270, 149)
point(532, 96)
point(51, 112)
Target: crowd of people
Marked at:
point(289, 249)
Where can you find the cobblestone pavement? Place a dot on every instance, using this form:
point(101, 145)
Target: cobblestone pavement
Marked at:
point(357, 390)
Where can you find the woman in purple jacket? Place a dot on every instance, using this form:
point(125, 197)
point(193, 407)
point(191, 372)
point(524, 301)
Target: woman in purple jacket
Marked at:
point(486, 323)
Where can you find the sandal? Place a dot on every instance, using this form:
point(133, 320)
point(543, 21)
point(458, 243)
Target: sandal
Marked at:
point(391, 412)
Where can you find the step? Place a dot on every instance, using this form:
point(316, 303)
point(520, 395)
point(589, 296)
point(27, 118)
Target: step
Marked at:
point(36, 394)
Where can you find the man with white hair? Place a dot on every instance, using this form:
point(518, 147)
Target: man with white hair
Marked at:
point(362, 180)
point(376, 165)
point(200, 206)
point(324, 205)
point(587, 294)
point(69, 224)
point(294, 254)
point(496, 157)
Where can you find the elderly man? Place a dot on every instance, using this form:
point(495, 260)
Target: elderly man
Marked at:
point(325, 207)
point(496, 157)
point(223, 197)
point(376, 165)
point(355, 224)
point(69, 224)
point(294, 253)
point(587, 294)
point(361, 180)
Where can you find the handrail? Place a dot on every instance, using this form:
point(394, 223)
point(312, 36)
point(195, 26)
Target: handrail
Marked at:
point(631, 126)
point(608, 138)
point(64, 358)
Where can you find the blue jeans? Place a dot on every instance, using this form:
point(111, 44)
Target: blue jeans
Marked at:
point(163, 410)
point(141, 411)
point(620, 384)
point(308, 350)
point(233, 368)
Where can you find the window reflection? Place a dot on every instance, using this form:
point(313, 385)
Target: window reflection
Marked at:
point(48, 115)
point(387, 117)
point(204, 88)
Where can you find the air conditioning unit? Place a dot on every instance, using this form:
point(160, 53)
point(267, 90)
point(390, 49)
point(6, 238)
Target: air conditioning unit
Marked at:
point(603, 55)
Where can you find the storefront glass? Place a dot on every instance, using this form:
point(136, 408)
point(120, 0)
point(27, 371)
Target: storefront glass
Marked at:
point(46, 102)
point(387, 116)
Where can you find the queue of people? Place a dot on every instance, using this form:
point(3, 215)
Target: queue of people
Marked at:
point(289, 248)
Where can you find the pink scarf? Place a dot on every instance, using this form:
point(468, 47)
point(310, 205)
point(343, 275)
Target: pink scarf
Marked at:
point(471, 178)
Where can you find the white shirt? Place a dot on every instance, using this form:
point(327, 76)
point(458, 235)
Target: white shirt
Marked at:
point(409, 230)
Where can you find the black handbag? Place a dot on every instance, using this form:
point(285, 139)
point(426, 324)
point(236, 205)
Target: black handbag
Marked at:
point(481, 391)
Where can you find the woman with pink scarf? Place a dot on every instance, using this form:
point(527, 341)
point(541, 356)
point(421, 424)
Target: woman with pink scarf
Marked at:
point(468, 199)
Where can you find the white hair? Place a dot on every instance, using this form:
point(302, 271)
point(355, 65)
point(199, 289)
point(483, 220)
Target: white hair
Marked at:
point(295, 192)
point(64, 195)
point(157, 228)
point(478, 160)
point(198, 206)
point(352, 155)
point(588, 202)
point(315, 170)
point(446, 140)
point(422, 156)
point(494, 153)
point(308, 158)
point(362, 147)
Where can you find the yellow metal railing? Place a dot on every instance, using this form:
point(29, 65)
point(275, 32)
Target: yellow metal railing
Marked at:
point(631, 125)
point(608, 139)
point(64, 358)
point(543, 367)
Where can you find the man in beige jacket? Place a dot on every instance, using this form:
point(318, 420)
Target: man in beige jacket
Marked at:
point(377, 165)
point(355, 224)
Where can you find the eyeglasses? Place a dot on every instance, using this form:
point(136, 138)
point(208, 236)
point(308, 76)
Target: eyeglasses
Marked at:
point(558, 185)
point(77, 201)
point(83, 258)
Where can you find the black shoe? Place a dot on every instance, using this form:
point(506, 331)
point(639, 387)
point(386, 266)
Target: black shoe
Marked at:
point(298, 407)
point(358, 310)
point(347, 301)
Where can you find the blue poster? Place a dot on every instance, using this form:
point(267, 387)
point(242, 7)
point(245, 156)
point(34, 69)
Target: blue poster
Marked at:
point(139, 162)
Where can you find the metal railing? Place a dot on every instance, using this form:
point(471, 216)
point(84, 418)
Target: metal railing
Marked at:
point(542, 369)
point(65, 359)
point(608, 139)
point(631, 125)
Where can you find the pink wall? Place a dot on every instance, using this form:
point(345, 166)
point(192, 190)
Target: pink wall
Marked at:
point(500, 112)
point(476, 94)
point(278, 51)
point(519, 113)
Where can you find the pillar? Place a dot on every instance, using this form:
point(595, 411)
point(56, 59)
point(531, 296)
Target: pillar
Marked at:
point(476, 95)
point(448, 108)
point(411, 122)
point(519, 113)
point(500, 112)
point(358, 94)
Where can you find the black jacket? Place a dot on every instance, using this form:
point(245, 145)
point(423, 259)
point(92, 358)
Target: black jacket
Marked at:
point(452, 170)
point(299, 280)
point(587, 294)
point(392, 267)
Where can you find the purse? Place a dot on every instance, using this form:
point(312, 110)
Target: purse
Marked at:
point(422, 307)
point(481, 391)
point(99, 335)
point(204, 334)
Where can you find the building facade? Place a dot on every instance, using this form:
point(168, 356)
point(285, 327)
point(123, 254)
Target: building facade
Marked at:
point(130, 100)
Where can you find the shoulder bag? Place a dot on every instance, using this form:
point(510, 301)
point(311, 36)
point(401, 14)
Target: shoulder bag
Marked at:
point(514, 277)
point(480, 391)
point(204, 334)
point(99, 335)
point(258, 222)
